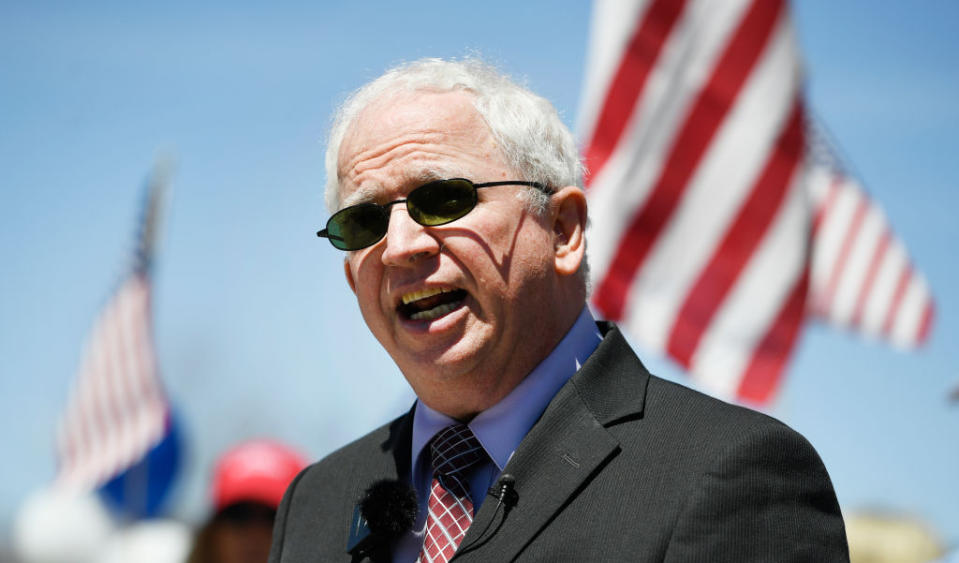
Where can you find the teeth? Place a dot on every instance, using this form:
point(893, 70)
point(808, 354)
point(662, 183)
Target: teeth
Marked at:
point(417, 295)
point(434, 313)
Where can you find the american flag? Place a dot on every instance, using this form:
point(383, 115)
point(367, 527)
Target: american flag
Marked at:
point(862, 277)
point(117, 410)
point(716, 228)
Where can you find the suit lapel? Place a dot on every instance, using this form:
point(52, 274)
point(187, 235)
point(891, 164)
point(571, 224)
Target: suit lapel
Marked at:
point(388, 460)
point(396, 447)
point(566, 448)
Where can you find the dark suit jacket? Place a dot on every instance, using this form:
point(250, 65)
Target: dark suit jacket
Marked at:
point(622, 466)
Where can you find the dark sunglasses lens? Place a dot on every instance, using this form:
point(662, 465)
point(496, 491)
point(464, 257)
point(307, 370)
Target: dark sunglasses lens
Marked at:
point(441, 202)
point(357, 226)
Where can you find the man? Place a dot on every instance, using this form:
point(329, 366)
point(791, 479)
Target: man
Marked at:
point(477, 289)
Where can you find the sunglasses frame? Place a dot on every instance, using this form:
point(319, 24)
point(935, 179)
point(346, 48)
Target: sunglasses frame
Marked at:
point(384, 208)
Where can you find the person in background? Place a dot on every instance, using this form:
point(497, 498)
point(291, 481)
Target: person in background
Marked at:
point(248, 484)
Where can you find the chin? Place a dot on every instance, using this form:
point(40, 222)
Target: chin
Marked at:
point(443, 378)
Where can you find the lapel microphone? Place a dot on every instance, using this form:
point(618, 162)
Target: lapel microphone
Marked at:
point(386, 511)
point(504, 492)
point(507, 497)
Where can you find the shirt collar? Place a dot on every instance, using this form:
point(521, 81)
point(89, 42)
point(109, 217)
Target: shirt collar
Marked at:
point(502, 427)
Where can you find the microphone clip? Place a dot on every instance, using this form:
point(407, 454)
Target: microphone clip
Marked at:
point(504, 491)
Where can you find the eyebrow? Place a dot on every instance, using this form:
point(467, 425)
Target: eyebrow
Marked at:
point(364, 194)
point(359, 195)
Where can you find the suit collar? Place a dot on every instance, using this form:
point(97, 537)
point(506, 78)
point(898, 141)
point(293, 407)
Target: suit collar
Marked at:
point(612, 384)
point(566, 448)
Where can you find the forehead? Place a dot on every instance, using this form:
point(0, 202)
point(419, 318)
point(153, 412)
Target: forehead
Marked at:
point(414, 137)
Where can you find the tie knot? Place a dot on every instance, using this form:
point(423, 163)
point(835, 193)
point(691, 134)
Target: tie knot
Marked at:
point(454, 450)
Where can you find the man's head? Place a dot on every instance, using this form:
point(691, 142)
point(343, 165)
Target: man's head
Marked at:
point(527, 128)
point(466, 309)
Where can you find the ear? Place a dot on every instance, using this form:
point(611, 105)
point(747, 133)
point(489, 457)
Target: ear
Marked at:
point(569, 230)
point(349, 275)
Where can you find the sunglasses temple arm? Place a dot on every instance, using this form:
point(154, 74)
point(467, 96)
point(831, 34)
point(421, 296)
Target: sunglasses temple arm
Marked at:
point(326, 234)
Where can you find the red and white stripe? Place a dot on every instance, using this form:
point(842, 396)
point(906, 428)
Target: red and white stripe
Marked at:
point(696, 145)
point(862, 277)
point(117, 410)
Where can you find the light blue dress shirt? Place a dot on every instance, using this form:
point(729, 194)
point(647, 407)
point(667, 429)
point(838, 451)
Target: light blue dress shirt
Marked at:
point(499, 429)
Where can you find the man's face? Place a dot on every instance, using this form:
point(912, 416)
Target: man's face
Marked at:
point(460, 306)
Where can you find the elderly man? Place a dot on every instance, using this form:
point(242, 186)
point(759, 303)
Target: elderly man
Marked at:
point(537, 434)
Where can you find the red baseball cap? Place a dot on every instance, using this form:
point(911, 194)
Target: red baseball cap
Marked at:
point(258, 471)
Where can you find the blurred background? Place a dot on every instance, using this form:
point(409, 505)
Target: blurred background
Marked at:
point(256, 331)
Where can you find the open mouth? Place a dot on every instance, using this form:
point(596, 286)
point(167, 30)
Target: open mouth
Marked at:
point(430, 304)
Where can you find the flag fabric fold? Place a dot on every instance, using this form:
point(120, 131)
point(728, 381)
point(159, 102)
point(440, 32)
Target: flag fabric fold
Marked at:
point(702, 186)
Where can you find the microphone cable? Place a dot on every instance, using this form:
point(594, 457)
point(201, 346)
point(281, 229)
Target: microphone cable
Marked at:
point(506, 497)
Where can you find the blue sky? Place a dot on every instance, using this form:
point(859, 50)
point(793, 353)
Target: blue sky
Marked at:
point(256, 330)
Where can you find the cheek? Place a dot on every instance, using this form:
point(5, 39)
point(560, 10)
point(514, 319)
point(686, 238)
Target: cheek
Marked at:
point(519, 269)
point(528, 274)
point(365, 278)
point(534, 251)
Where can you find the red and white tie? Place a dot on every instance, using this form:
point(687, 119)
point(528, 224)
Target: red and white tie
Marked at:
point(454, 451)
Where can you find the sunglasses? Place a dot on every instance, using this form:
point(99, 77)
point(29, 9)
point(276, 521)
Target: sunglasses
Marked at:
point(436, 203)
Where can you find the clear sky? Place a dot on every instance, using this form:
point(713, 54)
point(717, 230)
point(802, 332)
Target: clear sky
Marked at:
point(257, 331)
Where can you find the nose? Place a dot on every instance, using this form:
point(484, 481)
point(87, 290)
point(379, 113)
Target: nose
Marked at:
point(407, 240)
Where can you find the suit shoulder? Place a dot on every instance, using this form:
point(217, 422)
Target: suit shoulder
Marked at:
point(615, 385)
point(755, 489)
point(715, 423)
point(352, 458)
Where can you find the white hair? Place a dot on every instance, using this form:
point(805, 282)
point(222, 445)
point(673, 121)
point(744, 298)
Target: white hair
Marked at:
point(531, 136)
